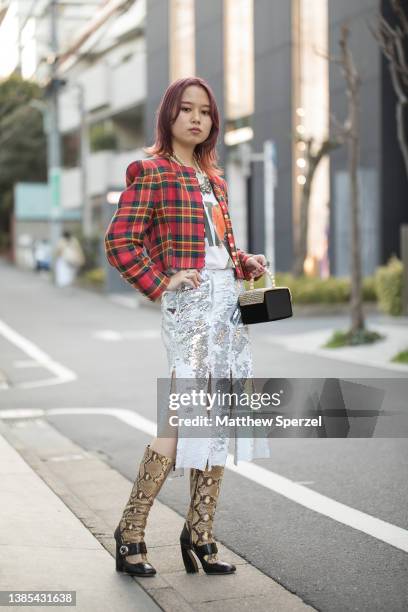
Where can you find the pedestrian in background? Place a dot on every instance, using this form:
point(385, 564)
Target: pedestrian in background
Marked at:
point(42, 254)
point(69, 259)
point(171, 237)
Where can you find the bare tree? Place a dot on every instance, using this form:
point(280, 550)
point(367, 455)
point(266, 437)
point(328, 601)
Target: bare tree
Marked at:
point(353, 83)
point(313, 154)
point(393, 42)
point(351, 131)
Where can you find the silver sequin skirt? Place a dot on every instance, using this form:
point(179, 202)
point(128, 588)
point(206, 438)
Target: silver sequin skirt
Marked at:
point(205, 338)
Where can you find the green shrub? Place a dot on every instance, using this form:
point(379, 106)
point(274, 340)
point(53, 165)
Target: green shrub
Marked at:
point(96, 276)
point(369, 292)
point(347, 338)
point(102, 137)
point(388, 286)
point(401, 357)
point(314, 290)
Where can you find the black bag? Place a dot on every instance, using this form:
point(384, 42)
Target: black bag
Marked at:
point(265, 304)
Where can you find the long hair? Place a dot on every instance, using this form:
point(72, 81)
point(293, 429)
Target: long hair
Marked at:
point(167, 114)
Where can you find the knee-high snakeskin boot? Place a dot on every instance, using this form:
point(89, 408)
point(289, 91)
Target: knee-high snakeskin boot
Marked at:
point(129, 534)
point(197, 534)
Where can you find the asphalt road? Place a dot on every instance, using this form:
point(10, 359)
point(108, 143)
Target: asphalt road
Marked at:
point(77, 349)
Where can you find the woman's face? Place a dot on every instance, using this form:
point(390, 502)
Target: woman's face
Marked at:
point(193, 123)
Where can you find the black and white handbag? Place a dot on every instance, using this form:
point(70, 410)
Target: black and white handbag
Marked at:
point(265, 304)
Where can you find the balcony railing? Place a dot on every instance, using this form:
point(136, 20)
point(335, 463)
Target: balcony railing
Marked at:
point(105, 87)
point(105, 170)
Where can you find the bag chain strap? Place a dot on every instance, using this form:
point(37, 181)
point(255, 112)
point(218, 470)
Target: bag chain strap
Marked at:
point(272, 277)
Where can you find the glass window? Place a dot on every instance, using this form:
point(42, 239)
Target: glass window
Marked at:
point(181, 39)
point(239, 58)
point(71, 149)
point(311, 119)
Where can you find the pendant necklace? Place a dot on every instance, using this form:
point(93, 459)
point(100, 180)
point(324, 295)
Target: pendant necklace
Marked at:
point(203, 180)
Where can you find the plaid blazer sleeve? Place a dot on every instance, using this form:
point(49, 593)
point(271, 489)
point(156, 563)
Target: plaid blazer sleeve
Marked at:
point(242, 255)
point(124, 238)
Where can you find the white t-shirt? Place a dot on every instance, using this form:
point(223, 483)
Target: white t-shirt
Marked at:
point(216, 243)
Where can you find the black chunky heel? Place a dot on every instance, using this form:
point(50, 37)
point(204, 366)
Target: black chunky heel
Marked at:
point(188, 549)
point(123, 550)
point(153, 471)
point(189, 560)
point(119, 561)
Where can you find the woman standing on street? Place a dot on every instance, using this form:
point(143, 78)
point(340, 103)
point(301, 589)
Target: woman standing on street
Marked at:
point(172, 238)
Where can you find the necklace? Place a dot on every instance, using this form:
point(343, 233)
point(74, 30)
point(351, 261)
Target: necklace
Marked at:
point(203, 180)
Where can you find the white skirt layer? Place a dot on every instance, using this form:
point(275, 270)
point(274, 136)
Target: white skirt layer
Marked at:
point(204, 337)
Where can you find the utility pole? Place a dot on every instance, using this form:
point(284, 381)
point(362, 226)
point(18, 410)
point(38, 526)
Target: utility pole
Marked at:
point(109, 8)
point(54, 144)
point(84, 157)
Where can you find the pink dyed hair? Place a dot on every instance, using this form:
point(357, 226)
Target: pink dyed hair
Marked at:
point(167, 113)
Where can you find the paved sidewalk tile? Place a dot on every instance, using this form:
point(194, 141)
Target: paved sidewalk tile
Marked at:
point(44, 546)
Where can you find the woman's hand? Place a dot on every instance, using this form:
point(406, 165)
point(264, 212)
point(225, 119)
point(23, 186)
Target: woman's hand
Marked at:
point(190, 277)
point(256, 265)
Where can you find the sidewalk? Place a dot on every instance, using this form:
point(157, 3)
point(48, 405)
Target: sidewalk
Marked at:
point(60, 523)
point(45, 547)
point(378, 354)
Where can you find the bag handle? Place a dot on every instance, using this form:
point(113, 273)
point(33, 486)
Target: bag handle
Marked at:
point(271, 276)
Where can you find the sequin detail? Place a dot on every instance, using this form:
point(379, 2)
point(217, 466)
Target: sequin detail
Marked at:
point(204, 337)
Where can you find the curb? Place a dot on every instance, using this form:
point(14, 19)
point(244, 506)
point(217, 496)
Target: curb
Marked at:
point(82, 557)
point(81, 480)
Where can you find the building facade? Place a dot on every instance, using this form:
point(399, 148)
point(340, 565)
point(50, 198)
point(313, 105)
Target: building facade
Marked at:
point(267, 63)
point(288, 88)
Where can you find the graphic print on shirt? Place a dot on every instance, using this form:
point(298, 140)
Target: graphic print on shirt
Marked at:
point(216, 242)
point(214, 224)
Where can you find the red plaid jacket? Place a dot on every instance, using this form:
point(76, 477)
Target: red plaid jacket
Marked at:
point(159, 223)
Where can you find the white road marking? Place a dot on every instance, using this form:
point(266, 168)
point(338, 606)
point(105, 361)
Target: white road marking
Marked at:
point(304, 482)
point(111, 335)
point(130, 301)
point(143, 333)
point(361, 521)
point(21, 363)
point(69, 457)
point(377, 528)
point(62, 374)
point(108, 334)
point(22, 413)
